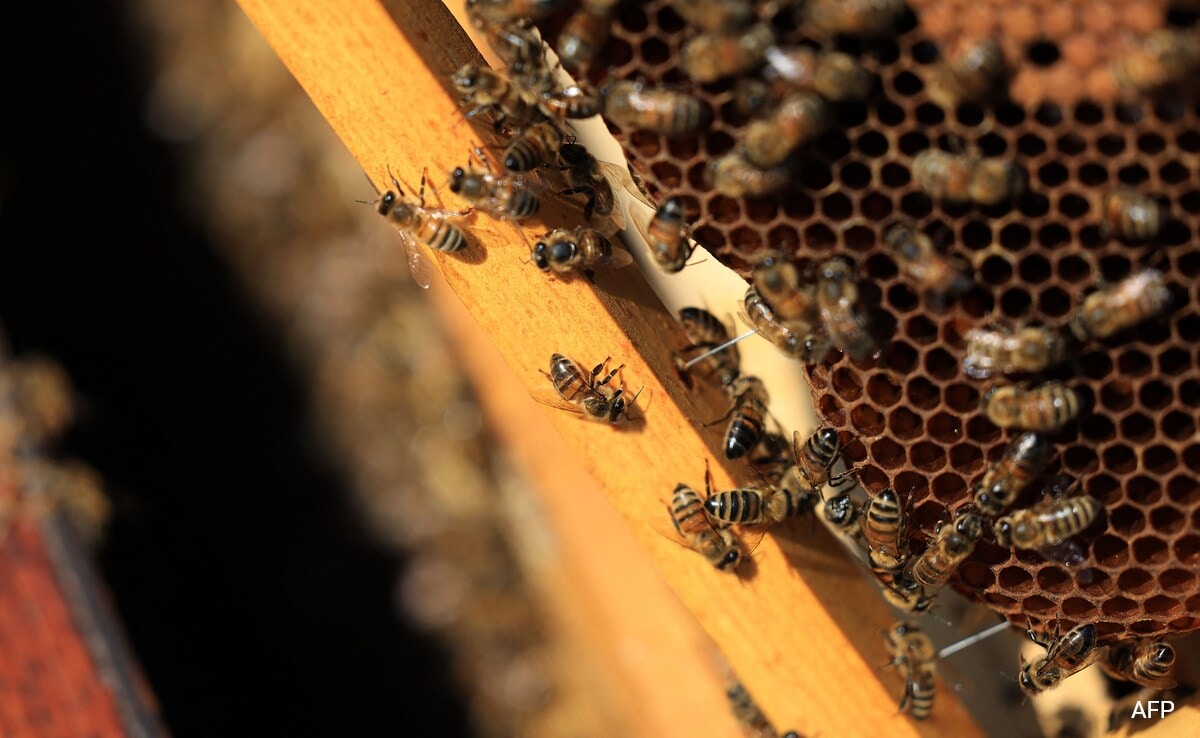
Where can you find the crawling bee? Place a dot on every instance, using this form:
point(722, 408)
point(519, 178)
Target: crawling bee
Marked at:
point(841, 512)
point(597, 179)
point(1165, 58)
point(1047, 523)
point(571, 103)
point(501, 12)
point(715, 15)
point(669, 236)
point(968, 76)
point(913, 653)
point(1028, 350)
point(808, 348)
point(491, 91)
point(794, 303)
point(761, 504)
point(667, 112)
point(831, 74)
point(837, 292)
point(816, 456)
point(1065, 655)
point(1025, 457)
point(691, 522)
point(883, 527)
point(959, 178)
point(866, 18)
point(433, 228)
point(751, 96)
point(1131, 215)
point(534, 146)
point(946, 552)
point(510, 198)
point(585, 32)
point(581, 250)
point(708, 57)
point(1111, 310)
point(706, 332)
point(800, 117)
point(1046, 407)
point(734, 176)
point(747, 415)
point(584, 394)
point(1141, 661)
point(917, 258)
point(520, 46)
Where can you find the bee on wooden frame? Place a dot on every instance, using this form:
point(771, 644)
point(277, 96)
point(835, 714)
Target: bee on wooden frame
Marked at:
point(581, 250)
point(503, 197)
point(585, 394)
point(913, 653)
point(433, 228)
point(598, 180)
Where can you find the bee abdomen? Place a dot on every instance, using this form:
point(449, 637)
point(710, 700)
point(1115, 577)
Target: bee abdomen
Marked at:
point(742, 506)
point(448, 237)
point(524, 204)
point(744, 434)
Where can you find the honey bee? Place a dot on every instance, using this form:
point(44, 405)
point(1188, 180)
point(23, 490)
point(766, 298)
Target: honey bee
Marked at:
point(708, 57)
point(1046, 407)
point(416, 224)
point(841, 512)
point(520, 46)
point(501, 12)
point(1025, 457)
point(837, 292)
point(747, 414)
point(571, 103)
point(883, 527)
point(509, 198)
point(901, 592)
point(759, 504)
point(778, 283)
point(1111, 310)
point(706, 331)
point(532, 147)
point(691, 522)
point(715, 15)
point(656, 109)
point(808, 348)
point(917, 258)
point(1141, 661)
point(733, 176)
point(584, 394)
point(958, 178)
point(772, 458)
point(491, 91)
point(831, 74)
point(588, 175)
point(952, 545)
point(669, 236)
point(1065, 655)
point(913, 653)
point(866, 18)
point(585, 32)
point(581, 250)
point(1164, 58)
point(968, 76)
point(800, 117)
point(1028, 350)
point(816, 456)
point(1131, 215)
point(751, 96)
point(1047, 523)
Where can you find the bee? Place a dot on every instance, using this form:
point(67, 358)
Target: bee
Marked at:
point(1141, 661)
point(581, 250)
point(1025, 457)
point(492, 91)
point(969, 76)
point(584, 394)
point(532, 147)
point(1028, 350)
point(715, 15)
point(416, 224)
point(1046, 407)
point(1165, 58)
point(952, 545)
point(691, 522)
point(831, 74)
point(747, 413)
point(571, 103)
point(521, 48)
point(1047, 523)
point(772, 458)
point(866, 18)
point(918, 259)
point(778, 282)
point(669, 236)
point(958, 178)
point(751, 96)
point(800, 117)
point(706, 331)
point(841, 512)
point(1131, 215)
point(1065, 655)
point(900, 592)
point(501, 12)
point(883, 527)
point(585, 32)
point(913, 653)
point(1111, 310)
point(809, 348)
point(588, 175)
point(509, 198)
point(656, 109)
point(837, 292)
point(746, 712)
point(708, 57)
point(733, 176)
point(816, 456)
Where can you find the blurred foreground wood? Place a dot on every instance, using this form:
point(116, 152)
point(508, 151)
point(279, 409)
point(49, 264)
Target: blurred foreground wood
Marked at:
point(801, 626)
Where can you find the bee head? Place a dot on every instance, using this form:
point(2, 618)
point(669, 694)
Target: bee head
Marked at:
point(539, 256)
point(1004, 531)
point(573, 153)
point(456, 179)
point(1164, 654)
point(617, 408)
point(672, 208)
point(1028, 685)
point(466, 78)
point(563, 250)
point(386, 202)
point(730, 560)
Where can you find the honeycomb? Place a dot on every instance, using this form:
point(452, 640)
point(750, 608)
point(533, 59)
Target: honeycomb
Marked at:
point(911, 420)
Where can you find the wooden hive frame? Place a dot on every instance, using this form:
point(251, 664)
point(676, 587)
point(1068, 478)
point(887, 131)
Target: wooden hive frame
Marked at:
point(803, 631)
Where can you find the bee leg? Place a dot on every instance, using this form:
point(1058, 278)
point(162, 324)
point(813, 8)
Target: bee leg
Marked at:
point(590, 206)
point(608, 377)
point(590, 274)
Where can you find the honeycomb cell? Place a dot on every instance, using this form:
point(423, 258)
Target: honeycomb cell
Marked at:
point(1094, 582)
point(1160, 606)
point(1039, 605)
point(1055, 580)
point(885, 452)
point(1133, 363)
point(1143, 490)
point(1159, 459)
point(961, 398)
point(1174, 361)
point(905, 424)
point(1150, 551)
point(921, 329)
point(1167, 520)
point(1177, 580)
point(976, 576)
point(847, 384)
point(1017, 581)
point(996, 270)
point(1137, 428)
point(982, 431)
point(940, 363)
point(1098, 428)
point(867, 420)
point(1080, 460)
point(1127, 520)
point(966, 458)
point(1111, 551)
point(921, 393)
point(1119, 459)
point(883, 390)
point(1119, 607)
point(1117, 395)
point(911, 485)
point(1034, 269)
point(1078, 608)
point(1184, 489)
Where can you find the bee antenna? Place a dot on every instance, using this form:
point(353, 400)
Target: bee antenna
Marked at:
point(372, 183)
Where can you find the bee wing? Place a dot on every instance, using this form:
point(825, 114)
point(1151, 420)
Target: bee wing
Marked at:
point(549, 396)
point(618, 177)
point(751, 536)
point(418, 263)
point(620, 258)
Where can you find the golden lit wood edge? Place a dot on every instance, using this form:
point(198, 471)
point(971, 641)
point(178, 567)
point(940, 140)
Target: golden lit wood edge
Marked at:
point(803, 633)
